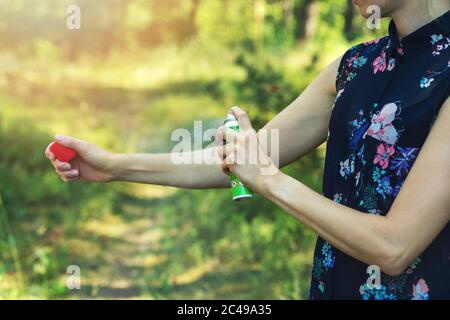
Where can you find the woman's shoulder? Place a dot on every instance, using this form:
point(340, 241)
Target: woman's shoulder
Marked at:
point(367, 46)
point(356, 57)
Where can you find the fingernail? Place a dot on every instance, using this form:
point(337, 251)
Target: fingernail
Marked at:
point(73, 174)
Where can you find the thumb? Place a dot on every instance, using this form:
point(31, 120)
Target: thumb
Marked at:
point(77, 145)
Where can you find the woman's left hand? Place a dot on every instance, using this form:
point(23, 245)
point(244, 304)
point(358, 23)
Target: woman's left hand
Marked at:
point(243, 154)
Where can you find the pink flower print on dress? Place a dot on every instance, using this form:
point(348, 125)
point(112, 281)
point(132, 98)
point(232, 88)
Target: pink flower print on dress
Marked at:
point(420, 290)
point(383, 155)
point(380, 64)
point(381, 127)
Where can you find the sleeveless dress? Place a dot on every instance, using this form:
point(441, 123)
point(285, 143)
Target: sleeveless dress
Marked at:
point(389, 93)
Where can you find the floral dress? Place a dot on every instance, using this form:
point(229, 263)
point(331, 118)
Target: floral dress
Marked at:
point(389, 93)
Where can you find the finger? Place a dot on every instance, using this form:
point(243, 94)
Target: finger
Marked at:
point(225, 150)
point(221, 152)
point(242, 118)
point(78, 145)
point(219, 136)
point(225, 169)
point(230, 161)
point(227, 164)
point(49, 155)
point(62, 166)
point(70, 175)
point(228, 135)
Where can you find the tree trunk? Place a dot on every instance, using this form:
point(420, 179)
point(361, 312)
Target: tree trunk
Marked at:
point(288, 7)
point(306, 14)
point(348, 16)
point(192, 17)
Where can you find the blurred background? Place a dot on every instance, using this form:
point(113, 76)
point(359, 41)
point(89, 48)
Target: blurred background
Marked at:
point(136, 70)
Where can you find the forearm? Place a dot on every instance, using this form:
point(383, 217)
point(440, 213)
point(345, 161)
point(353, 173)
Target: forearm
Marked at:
point(202, 171)
point(365, 237)
point(306, 117)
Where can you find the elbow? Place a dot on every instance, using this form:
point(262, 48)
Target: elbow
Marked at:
point(394, 263)
point(395, 252)
point(393, 269)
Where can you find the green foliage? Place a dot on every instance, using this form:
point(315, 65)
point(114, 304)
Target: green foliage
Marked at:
point(38, 212)
point(264, 88)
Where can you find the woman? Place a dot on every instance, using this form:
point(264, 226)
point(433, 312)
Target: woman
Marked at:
point(388, 109)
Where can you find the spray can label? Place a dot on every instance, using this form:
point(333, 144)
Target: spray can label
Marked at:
point(239, 192)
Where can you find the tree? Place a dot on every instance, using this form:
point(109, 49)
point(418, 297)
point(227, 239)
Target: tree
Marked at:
point(192, 17)
point(349, 15)
point(288, 6)
point(306, 14)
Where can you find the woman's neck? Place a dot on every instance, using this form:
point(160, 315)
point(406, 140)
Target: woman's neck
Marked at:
point(415, 14)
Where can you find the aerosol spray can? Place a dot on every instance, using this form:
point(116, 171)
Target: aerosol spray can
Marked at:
point(238, 190)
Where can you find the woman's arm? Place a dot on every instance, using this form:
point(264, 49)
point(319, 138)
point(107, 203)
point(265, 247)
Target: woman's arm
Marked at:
point(418, 214)
point(302, 127)
point(98, 165)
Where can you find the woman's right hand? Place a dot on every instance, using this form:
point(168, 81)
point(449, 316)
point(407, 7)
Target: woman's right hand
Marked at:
point(91, 163)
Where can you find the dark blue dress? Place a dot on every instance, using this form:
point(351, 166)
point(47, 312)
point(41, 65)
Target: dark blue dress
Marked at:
point(389, 94)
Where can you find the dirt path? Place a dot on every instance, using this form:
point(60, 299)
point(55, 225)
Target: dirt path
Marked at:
point(119, 254)
point(125, 255)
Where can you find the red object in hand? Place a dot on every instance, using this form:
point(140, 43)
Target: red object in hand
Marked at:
point(62, 153)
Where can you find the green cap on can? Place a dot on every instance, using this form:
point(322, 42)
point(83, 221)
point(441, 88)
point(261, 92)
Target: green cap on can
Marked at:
point(230, 117)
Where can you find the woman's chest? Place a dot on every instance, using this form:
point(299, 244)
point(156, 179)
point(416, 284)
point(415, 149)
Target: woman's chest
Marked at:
point(378, 125)
point(397, 108)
